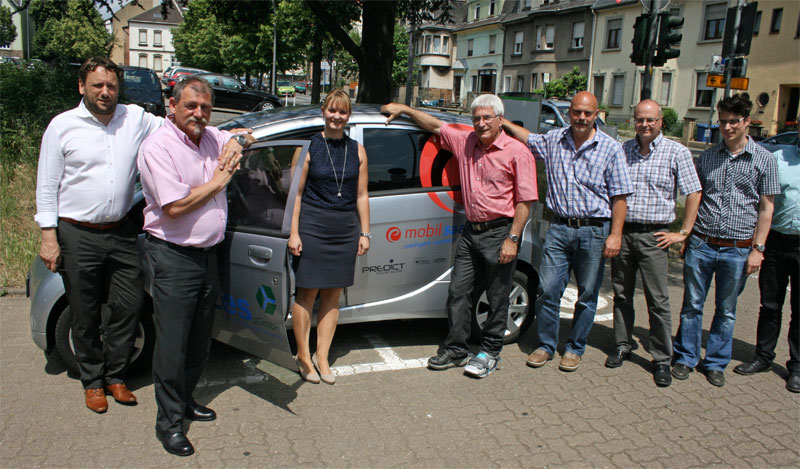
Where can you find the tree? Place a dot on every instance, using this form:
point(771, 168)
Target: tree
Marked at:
point(568, 85)
point(375, 54)
point(8, 32)
point(197, 40)
point(69, 31)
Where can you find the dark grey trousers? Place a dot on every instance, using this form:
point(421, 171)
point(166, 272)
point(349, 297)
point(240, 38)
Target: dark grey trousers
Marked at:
point(476, 264)
point(102, 267)
point(185, 290)
point(640, 253)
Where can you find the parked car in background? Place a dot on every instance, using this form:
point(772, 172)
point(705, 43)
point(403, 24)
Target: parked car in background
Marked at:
point(416, 217)
point(230, 93)
point(176, 74)
point(285, 89)
point(141, 86)
point(300, 87)
point(167, 73)
point(782, 140)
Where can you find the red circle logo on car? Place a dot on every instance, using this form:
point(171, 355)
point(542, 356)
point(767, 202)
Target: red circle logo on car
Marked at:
point(450, 174)
point(393, 234)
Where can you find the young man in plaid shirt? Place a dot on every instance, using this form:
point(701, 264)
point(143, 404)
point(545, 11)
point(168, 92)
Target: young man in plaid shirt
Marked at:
point(658, 167)
point(740, 180)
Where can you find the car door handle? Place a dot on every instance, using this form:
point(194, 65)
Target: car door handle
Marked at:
point(259, 252)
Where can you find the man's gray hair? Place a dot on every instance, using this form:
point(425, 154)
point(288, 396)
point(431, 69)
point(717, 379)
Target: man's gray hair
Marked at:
point(488, 100)
point(198, 84)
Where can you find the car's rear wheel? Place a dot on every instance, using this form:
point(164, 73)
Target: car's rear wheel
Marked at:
point(266, 106)
point(142, 347)
point(520, 303)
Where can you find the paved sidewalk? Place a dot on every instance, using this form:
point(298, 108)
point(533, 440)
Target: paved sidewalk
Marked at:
point(517, 417)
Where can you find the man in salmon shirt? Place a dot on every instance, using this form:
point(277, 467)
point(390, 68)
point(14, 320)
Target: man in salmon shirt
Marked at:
point(498, 183)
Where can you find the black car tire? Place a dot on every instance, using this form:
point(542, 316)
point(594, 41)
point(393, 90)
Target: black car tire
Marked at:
point(522, 296)
point(142, 349)
point(265, 106)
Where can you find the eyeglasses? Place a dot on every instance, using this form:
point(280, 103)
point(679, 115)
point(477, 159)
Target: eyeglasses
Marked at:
point(487, 118)
point(643, 120)
point(731, 122)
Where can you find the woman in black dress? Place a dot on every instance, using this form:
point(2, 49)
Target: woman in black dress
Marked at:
point(330, 225)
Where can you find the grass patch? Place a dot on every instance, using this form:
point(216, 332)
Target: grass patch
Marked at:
point(19, 235)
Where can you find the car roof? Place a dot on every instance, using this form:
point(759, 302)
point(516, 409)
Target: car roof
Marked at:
point(311, 115)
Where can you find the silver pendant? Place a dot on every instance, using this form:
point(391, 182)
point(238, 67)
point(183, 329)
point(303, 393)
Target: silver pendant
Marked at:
point(339, 194)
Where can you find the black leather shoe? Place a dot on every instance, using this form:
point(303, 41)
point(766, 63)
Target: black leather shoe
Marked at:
point(793, 383)
point(681, 371)
point(176, 443)
point(661, 376)
point(716, 377)
point(195, 411)
point(752, 367)
point(615, 359)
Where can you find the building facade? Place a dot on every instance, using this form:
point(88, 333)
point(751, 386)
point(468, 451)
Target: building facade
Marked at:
point(20, 47)
point(545, 41)
point(774, 65)
point(119, 28)
point(150, 38)
point(436, 54)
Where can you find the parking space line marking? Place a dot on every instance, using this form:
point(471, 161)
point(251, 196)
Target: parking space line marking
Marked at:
point(391, 361)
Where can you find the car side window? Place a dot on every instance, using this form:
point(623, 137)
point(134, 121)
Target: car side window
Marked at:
point(548, 120)
point(394, 157)
point(786, 139)
point(230, 83)
point(214, 81)
point(258, 191)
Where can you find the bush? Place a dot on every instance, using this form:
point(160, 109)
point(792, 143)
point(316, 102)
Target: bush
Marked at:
point(671, 123)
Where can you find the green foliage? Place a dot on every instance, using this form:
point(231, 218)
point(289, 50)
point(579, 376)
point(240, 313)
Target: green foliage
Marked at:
point(568, 85)
point(70, 34)
point(669, 119)
point(8, 32)
point(400, 64)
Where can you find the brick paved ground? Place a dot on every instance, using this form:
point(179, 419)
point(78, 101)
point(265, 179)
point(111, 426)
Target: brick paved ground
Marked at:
point(517, 417)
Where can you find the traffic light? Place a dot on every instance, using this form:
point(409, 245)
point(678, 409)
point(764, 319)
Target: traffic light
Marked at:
point(641, 39)
point(744, 34)
point(668, 35)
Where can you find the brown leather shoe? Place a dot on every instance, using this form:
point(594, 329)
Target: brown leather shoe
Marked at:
point(96, 400)
point(121, 393)
point(569, 362)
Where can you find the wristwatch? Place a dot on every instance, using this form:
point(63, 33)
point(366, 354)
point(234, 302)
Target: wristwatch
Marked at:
point(760, 247)
point(513, 237)
point(684, 232)
point(367, 235)
point(240, 139)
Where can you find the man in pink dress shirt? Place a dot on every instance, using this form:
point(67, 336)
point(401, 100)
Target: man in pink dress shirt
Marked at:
point(498, 183)
point(184, 171)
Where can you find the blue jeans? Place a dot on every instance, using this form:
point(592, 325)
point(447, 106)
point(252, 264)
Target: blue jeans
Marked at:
point(702, 261)
point(578, 250)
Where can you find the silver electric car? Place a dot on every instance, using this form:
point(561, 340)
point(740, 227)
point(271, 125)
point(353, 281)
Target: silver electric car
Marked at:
point(416, 217)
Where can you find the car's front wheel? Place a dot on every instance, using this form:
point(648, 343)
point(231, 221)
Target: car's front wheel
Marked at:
point(142, 354)
point(520, 303)
point(266, 106)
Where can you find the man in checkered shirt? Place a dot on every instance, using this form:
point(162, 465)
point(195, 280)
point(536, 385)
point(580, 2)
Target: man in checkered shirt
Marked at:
point(740, 180)
point(587, 183)
point(658, 168)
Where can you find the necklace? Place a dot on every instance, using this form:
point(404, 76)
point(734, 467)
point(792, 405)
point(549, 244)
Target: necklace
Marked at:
point(335, 178)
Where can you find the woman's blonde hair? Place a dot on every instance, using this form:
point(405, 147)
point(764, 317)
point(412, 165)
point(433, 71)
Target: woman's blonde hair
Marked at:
point(338, 99)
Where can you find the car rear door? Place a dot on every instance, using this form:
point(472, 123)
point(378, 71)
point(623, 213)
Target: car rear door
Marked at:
point(256, 280)
point(415, 219)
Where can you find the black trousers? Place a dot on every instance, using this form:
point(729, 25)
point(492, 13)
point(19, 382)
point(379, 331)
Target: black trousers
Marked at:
point(102, 267)
point(781, 264)
point(185, 290)
point(476, 264)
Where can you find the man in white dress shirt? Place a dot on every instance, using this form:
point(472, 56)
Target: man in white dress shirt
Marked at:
point(85, 185)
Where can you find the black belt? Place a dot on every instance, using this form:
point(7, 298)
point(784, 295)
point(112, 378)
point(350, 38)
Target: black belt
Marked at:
point(579, 222)
point(156, 240)
point(95, 226)
point(486, 225)
point(644, 227)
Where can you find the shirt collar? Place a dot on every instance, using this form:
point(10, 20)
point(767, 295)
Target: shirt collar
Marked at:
point(567, 135)
point(84, 113)
point(653, 145)
point(500, 142)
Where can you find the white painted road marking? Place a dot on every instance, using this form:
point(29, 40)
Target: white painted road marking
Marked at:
point(391, 361)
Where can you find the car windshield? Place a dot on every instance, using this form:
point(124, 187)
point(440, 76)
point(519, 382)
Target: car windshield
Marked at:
point(139, 80)
point(283, 83)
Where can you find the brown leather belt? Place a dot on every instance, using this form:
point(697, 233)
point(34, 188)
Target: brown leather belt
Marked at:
point(95, 226)
point(726, 243)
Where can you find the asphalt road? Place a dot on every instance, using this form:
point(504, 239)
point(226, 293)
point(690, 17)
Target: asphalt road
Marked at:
point(386, 410)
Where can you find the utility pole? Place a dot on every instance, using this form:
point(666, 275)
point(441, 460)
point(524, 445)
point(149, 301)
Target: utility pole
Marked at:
point(410, 65)
point(647, 79)
point(729, 57)
point(274, 46)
